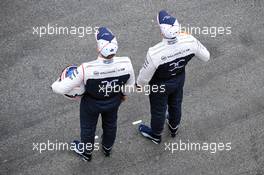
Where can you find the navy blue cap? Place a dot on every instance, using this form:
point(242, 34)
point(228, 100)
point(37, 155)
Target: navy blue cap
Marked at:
point(105, 34)
point(165, 18)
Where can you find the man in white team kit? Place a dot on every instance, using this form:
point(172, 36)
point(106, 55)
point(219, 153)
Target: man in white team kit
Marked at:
point(165, 66)
point(103, 78)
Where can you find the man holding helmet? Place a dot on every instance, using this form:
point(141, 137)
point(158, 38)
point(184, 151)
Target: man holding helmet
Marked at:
point(101, 77)
point(165, 65)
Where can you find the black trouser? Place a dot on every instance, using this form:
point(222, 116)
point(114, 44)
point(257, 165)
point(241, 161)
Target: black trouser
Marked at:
point(171, 99)
point(90, 109)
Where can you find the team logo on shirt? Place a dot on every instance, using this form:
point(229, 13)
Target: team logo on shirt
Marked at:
point(163, 58)
point(96, 73)
point(177, 65)
point(108, 86)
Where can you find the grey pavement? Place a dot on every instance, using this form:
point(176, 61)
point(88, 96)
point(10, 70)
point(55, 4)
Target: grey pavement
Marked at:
point(223, 99)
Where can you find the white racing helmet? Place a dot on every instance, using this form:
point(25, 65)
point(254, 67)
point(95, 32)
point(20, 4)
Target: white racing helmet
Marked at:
point(169, 26)
point(106, 42)
point(76, 92)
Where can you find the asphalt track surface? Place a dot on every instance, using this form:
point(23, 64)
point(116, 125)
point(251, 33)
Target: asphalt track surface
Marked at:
point(223, 99)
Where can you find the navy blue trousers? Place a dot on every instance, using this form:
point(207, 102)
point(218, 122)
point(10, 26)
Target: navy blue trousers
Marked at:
point(90, 109)
point(170, 100)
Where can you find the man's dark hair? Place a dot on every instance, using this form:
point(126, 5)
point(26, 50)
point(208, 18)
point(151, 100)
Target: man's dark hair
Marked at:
point(110, 56)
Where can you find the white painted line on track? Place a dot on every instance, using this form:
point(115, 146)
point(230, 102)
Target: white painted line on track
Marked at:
point(137, 122)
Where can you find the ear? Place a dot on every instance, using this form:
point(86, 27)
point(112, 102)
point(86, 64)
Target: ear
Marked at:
point(161, 34)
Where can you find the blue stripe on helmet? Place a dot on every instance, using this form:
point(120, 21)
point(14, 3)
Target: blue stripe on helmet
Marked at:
point(105, 34)
point(165, 18)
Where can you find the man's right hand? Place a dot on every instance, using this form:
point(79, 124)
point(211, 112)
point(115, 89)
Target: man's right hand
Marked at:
point(124, 98)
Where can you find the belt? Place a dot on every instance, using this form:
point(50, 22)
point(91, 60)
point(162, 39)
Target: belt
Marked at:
point(161, 79)
point(103, 98)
